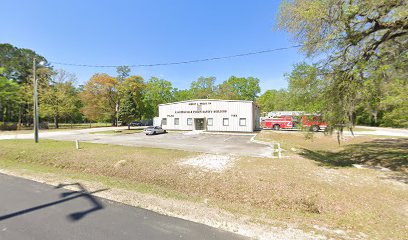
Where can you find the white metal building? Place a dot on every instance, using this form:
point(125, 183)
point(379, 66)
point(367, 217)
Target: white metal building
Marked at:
point(209, 115)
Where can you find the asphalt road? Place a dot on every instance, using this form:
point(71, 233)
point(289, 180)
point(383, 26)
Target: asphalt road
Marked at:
point(31, 210)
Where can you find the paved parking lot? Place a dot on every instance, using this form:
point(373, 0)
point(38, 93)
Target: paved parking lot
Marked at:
point(209, 143)
point(234, 144)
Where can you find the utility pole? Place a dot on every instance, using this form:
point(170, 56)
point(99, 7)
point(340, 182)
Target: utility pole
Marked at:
point(117, 113)
point(36, 122)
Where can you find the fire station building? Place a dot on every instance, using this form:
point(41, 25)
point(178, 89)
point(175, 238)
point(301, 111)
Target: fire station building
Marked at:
point(209, 115)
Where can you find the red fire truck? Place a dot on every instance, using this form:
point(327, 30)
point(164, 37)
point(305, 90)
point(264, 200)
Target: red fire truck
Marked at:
point(312, 122)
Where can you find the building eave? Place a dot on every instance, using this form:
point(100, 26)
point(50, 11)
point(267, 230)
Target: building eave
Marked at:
point(212, 100)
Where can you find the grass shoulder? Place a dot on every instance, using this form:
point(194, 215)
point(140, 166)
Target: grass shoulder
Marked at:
point(292, 192)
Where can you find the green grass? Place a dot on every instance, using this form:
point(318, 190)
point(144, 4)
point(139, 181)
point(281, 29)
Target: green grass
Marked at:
point(94, 162)
point(62, 127)
point(79, 125)
point(122, 131)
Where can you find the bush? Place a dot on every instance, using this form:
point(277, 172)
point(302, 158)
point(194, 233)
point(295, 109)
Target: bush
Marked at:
point(5, 126)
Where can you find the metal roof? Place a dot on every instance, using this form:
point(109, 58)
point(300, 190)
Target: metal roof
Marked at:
point(194, 100)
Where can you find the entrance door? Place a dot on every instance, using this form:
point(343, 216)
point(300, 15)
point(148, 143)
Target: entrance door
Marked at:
point(199, 123)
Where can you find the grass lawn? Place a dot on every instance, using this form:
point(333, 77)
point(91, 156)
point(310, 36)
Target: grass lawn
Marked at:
point(122, 131)
point(28, 131)
point(62, 127)
point(79, 125)
point(368, 150)
point(294, 190)
point(310, 140)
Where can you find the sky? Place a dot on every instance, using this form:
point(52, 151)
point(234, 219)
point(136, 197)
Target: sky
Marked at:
point(148, 32)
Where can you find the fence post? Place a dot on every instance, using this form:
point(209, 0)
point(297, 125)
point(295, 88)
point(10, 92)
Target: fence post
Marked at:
point(77, 144)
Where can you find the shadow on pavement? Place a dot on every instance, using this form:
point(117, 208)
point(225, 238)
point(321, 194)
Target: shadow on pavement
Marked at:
point(66, 196)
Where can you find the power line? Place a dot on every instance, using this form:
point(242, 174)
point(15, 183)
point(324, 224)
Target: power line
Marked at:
point(182, 62)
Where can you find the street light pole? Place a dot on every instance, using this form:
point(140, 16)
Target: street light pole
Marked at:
point(36, 122)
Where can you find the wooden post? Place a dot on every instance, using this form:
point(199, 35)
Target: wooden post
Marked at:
point(77, 144)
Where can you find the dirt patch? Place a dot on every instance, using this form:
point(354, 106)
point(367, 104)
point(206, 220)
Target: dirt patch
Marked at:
point(210, 162)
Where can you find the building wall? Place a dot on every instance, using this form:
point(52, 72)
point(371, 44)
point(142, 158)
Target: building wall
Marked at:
point(216, 110)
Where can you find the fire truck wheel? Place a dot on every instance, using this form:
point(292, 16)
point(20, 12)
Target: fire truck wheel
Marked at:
point(276, 127)
point(315, 128)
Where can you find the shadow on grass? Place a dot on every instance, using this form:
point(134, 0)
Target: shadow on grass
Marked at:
point(389, 153)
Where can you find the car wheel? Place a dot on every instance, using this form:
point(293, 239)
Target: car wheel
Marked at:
point(165, 131)
point(276, 127)
point(315, 128)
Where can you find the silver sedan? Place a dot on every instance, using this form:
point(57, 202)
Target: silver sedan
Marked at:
point(154, 130)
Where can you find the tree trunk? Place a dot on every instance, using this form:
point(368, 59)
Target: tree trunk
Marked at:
point(375, 115)
point(56, 121)
point(19, 118)
point(128, 126)
point(1, 113)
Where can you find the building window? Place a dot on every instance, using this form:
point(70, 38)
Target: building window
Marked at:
point(164, 121)
point(189, 121)
point(242, 122)
point(225, 121)
point(176, 121)
point(209, 122)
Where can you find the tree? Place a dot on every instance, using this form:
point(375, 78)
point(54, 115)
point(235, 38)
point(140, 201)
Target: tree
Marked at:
point(203, 88)
point(275, 100)
point(353, 39)
point(182, 95)
point(128, 108)
point(306, 88)
point(395, 104)
point(9, 97)
point(59, 99)
point(227, 91)
point(132, 93)
point(17, 64)
point(239, 88)
point(158, 91)
point(100, 97)
point(123, 73)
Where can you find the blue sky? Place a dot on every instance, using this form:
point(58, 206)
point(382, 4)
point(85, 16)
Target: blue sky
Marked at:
point(145, 32)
